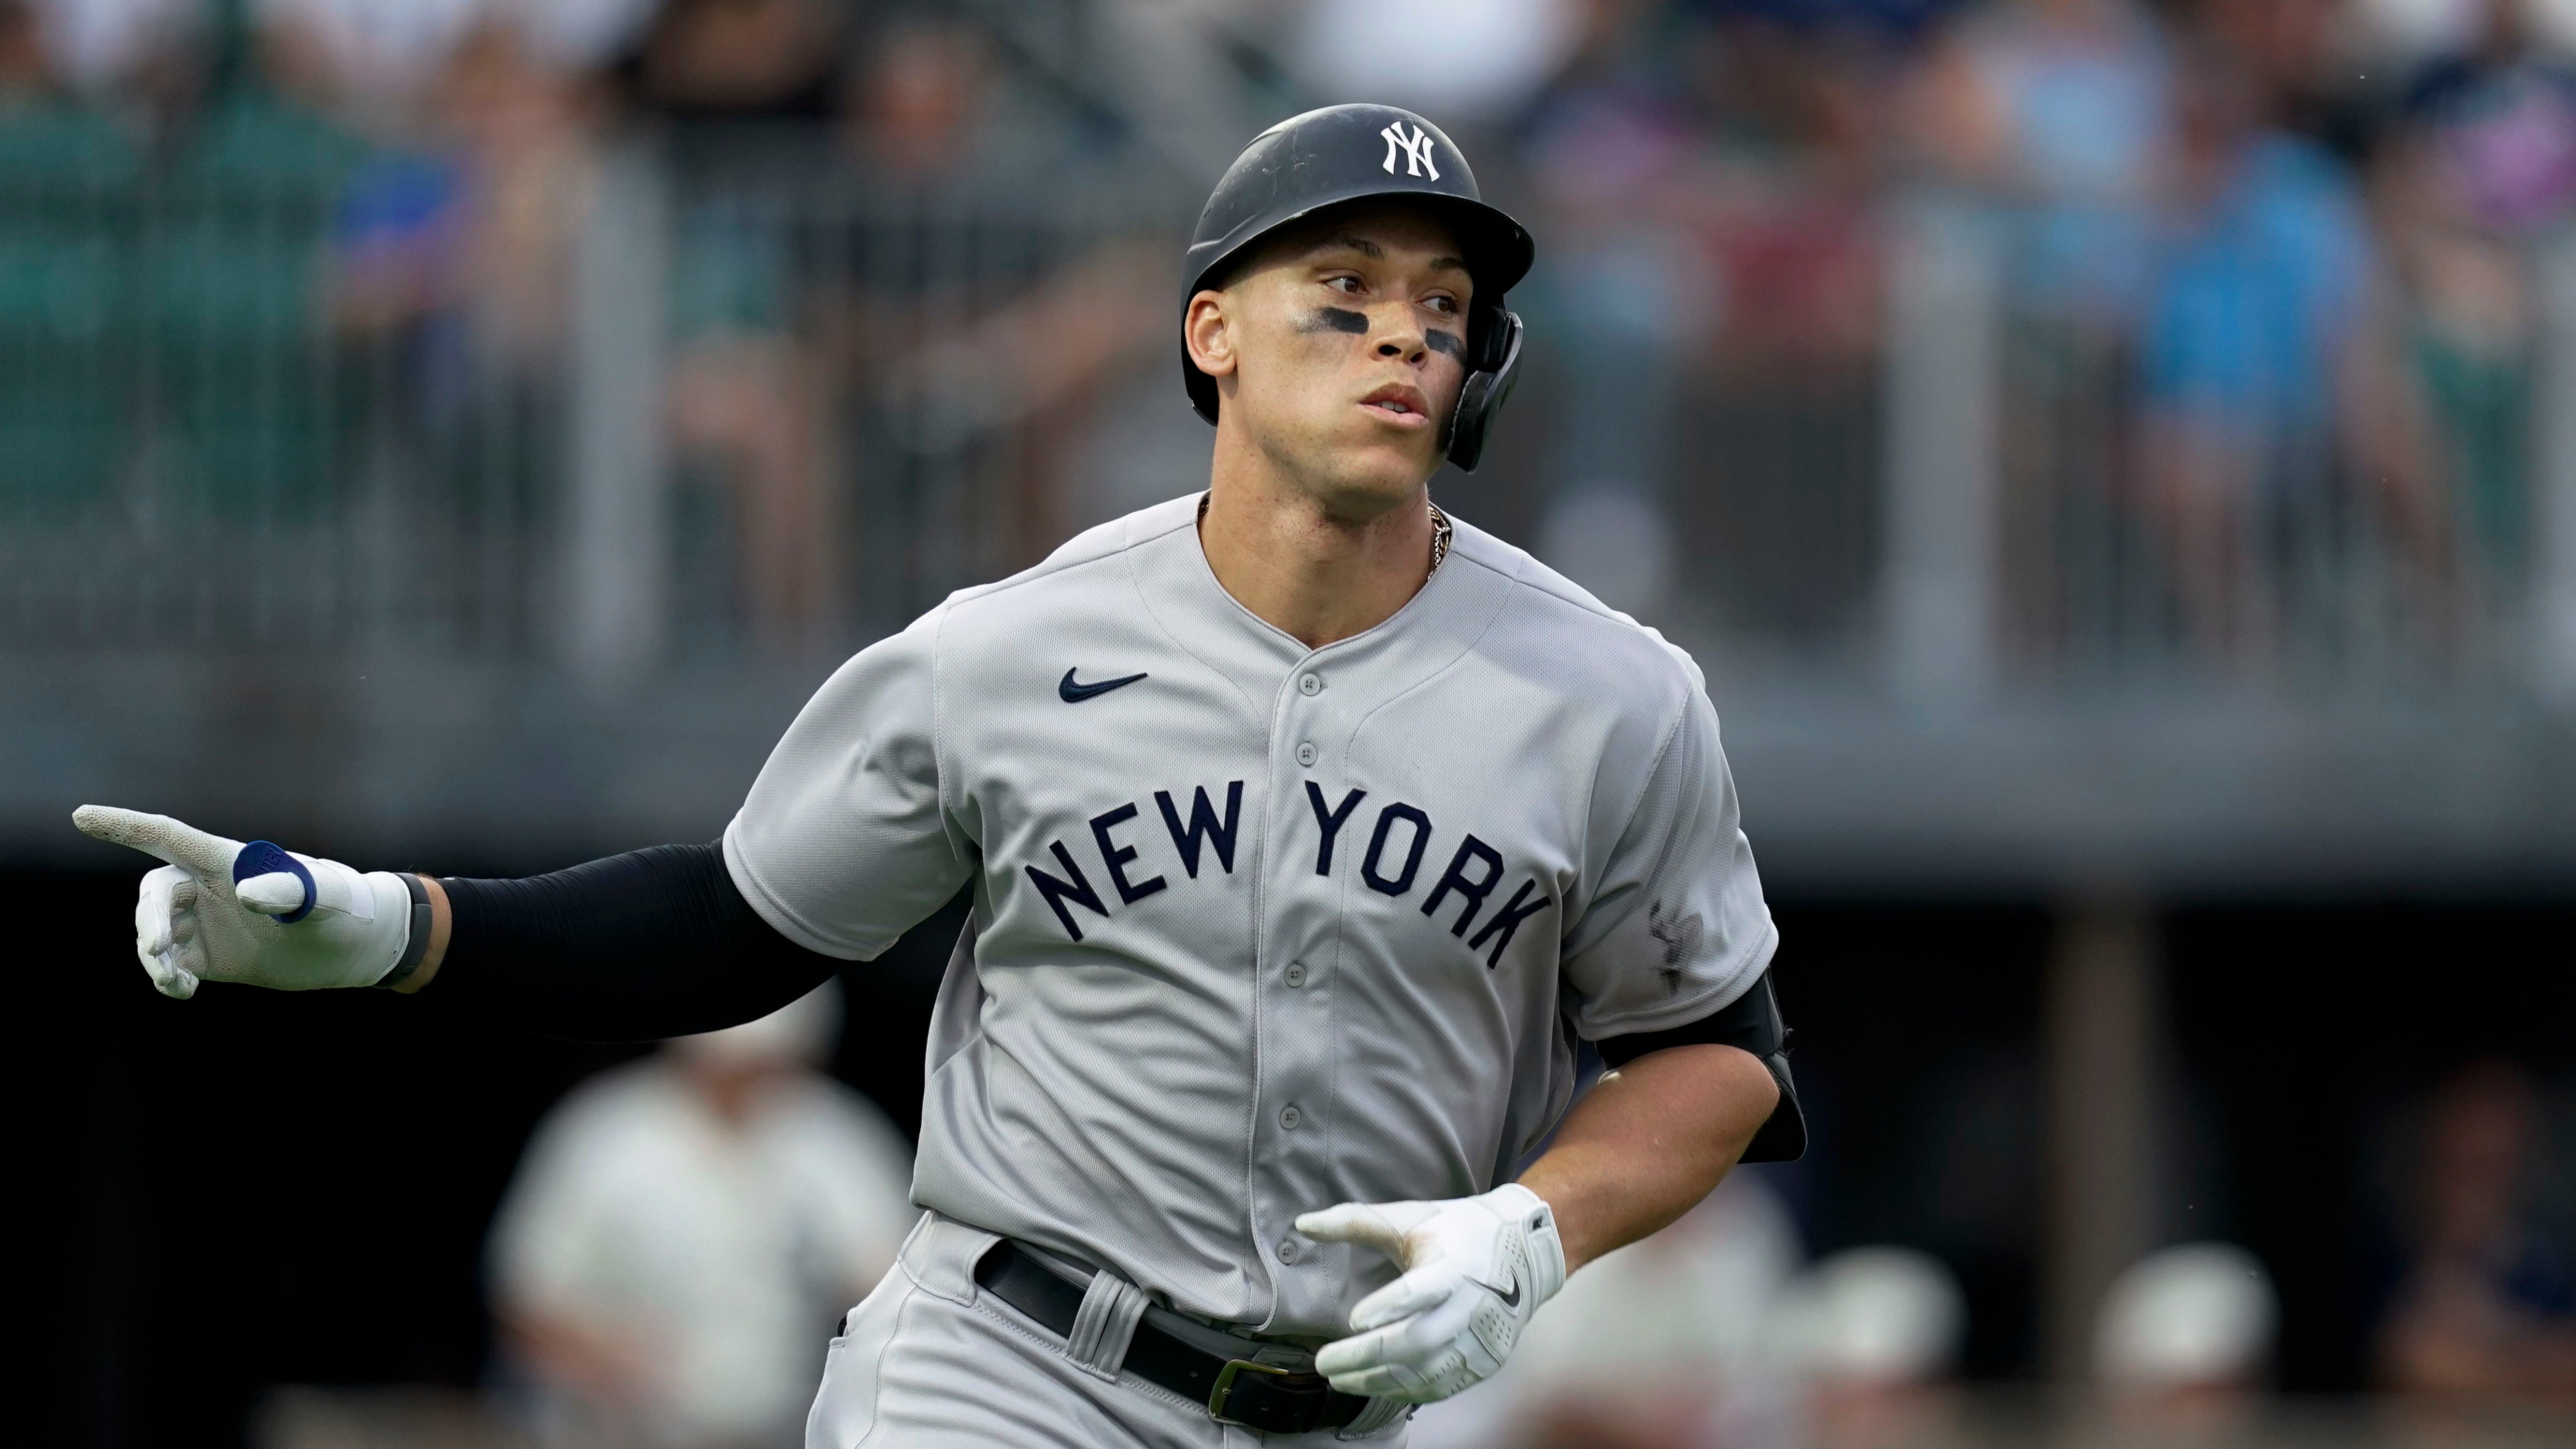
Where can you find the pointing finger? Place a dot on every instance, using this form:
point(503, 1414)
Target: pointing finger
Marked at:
point(181, 844)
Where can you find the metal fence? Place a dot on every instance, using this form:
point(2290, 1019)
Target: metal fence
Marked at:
point(812, 398)
point(2082, 504)
point(197, 441)
point(269, 386)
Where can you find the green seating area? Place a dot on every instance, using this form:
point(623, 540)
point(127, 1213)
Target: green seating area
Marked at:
point(163, 312)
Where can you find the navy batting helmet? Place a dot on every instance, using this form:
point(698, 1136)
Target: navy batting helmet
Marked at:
point(1343, 154)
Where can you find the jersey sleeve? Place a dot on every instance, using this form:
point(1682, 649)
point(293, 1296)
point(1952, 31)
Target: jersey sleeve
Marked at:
point(1676, 926)
point(845, 842)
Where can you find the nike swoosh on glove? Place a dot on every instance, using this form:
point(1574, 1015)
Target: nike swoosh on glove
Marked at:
point(1475, 1269)
point(276, 925)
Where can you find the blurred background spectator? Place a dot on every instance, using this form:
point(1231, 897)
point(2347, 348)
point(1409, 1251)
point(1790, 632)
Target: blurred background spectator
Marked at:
point(2184, 1343)
point(745, 396)
point(2487, 1305)
point(2114, 459)
point(683, 1233)
point(1873, 1337)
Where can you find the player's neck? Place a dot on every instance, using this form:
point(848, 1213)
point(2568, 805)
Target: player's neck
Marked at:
point(1312, 576)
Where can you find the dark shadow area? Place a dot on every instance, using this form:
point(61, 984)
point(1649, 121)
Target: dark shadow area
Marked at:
point(2310, 1040)
point(252, 1187)
point(1917, 1055)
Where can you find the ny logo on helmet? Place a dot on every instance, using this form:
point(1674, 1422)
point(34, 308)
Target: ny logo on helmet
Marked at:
point(1416, 149)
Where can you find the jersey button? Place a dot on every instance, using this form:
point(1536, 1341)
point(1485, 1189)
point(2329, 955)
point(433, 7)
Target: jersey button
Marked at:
point(1289, 1116)
point(1310, 684)
point(1305, 754)
point(1295, 975)
point(1287, 1250)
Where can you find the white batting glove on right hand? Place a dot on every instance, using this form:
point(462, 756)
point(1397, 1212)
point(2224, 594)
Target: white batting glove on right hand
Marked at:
point(225, 911)
point(1475, 1269)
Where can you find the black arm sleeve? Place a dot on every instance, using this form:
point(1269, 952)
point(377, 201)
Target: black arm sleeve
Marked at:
point(636, 947)
point(1752, 1022)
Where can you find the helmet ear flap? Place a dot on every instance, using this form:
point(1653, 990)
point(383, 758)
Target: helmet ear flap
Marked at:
point(1495, 347)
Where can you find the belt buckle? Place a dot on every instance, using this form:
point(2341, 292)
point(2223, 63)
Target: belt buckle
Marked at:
point(1224, 1390)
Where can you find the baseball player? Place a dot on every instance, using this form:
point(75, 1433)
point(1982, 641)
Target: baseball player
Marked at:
point(1308, 827)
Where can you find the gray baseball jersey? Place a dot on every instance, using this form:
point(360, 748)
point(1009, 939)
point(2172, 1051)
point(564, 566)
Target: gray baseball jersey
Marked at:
point(1258, 928)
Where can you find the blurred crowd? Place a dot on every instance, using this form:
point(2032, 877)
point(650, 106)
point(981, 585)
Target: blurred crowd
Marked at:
point(2272, 280)
point(683, 1230)
point(1715, 1335)
point(1722, 1333)
point(361, 229)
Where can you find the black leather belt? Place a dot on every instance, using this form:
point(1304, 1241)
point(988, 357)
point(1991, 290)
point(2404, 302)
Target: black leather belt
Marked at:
point(1235, 1390)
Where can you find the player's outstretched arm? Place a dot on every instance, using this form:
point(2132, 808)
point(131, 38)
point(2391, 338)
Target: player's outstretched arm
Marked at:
point(843, 838)
point(651, 944)
point(636, 947)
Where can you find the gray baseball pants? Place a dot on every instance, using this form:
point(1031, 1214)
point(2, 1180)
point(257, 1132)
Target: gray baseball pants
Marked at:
point(931, 1361)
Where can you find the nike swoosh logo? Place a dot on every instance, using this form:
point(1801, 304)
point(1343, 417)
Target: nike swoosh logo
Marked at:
point(1072, 693)
point(1513, 1298)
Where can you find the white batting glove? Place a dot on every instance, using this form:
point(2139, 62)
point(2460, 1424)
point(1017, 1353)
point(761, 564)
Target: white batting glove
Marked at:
point(1475, 1269)
point(225, 911)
